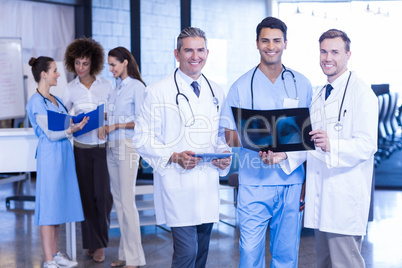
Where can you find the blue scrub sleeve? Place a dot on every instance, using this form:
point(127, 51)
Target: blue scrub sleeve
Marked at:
point(232, 99)
point(51, 135)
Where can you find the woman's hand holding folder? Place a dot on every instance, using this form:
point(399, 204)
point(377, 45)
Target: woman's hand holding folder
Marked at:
point(76, 127)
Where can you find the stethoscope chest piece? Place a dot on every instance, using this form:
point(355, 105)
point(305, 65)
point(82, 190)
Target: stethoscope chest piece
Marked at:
point(338, 126)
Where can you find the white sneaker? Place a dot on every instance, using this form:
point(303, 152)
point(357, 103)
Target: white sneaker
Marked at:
point(50, 264)
point(63, 260)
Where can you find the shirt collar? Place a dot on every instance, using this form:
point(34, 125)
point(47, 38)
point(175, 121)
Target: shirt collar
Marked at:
point(187, 79)
point(121, 83)
point(77, 80)
point(126, 80)
point(341, 80)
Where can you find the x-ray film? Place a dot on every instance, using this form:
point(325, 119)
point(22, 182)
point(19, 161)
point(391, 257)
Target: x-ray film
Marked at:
point(282, 130)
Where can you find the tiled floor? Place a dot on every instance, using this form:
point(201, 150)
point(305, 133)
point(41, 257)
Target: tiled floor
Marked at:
point(20, 244)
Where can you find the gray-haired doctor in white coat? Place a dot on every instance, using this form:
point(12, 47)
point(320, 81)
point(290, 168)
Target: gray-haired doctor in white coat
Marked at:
point(344, 116)
point(178, 119)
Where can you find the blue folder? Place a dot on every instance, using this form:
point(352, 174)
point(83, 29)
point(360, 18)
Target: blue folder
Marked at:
point(60, 121)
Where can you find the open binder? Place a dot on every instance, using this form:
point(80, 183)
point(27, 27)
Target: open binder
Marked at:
point(61, 121)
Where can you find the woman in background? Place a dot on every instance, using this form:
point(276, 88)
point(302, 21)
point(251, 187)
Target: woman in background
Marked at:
point(56, 179)
point(85, 57)
point(122, 157)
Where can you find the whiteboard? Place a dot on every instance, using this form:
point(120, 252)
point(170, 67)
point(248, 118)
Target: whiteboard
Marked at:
point(12, 96)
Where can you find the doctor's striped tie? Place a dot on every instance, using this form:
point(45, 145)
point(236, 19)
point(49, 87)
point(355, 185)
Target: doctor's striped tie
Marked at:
point(196, 88)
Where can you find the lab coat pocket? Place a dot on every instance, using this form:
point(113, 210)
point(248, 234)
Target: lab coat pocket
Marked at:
point(315, 116)
point(210, 178)
point(172, 177)
point(331, 110)
point(215, 115)
point(345, 206)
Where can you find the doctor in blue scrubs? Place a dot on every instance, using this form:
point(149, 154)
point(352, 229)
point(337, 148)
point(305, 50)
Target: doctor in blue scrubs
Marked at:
point(268, 196)
point(56, 179)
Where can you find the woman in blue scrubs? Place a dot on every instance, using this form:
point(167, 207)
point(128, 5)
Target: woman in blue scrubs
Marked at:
point(57, 195)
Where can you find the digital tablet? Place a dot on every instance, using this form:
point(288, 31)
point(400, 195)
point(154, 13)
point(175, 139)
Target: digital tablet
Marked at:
point(208, 157)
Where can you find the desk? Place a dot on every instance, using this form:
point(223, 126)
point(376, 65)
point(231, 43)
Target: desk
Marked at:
point(18, 149)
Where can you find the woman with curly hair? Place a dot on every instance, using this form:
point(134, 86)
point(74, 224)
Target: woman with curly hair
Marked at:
point(122, 157)
point(85, 57)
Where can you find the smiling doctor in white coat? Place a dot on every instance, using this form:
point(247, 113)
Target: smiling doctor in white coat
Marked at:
point(344, 116)
point(180, 117)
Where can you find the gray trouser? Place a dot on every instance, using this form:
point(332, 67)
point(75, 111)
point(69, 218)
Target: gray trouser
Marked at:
point(338, 251)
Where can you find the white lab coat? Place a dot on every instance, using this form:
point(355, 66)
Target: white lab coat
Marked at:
point(181, 197)
point(339, 182)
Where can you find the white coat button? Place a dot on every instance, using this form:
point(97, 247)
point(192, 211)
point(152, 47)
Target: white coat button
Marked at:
point(318, 195)
point(318, 173)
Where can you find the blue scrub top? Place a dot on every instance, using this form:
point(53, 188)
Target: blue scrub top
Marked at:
point(267, 96)
point(58, 197)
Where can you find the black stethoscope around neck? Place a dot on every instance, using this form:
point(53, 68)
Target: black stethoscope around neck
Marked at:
point(338, 126)
point(283, 81)
point(57, 100)
point(215, 99)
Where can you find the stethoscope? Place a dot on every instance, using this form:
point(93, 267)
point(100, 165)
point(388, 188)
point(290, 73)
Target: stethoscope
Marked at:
point(338, 126)
point(283, 81)
point(44, 100)
point(215, 99)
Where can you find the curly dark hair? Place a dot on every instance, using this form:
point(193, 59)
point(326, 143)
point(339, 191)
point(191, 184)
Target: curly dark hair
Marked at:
point(85, 48)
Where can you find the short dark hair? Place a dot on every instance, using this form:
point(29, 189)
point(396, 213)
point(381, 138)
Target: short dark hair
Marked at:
point(334, 33)
point(39, 65)
point(273, 23)
point(85, 48)
point(190, 32)
point(121, 54)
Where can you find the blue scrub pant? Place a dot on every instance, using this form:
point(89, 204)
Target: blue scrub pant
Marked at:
point(277, 206)
point(191, 245)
